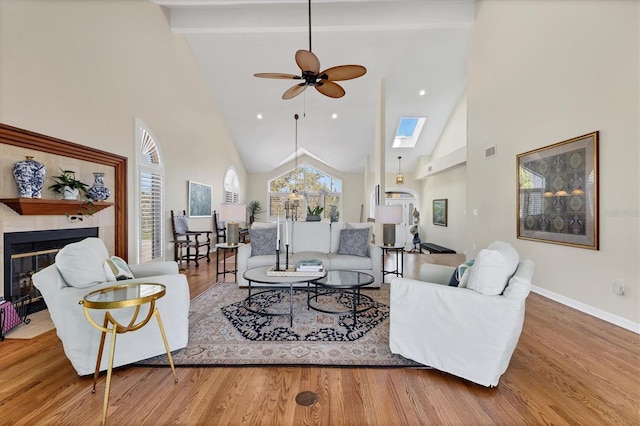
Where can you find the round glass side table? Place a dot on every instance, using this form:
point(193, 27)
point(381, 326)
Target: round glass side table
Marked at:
point(133, 295)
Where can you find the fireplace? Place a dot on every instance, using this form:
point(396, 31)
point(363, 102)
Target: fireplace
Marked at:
point(26, 253)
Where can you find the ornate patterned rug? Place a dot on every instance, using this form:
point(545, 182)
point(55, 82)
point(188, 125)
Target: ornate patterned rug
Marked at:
point(223, 333)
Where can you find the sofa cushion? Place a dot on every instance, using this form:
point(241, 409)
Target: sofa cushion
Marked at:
point(81, 265)
point(310, 236)
point(263, 241)
point(492, 268)
point(337, 227)
point(354, 242)
point(303, 255)
point(116, 269)
point(264, 260)
point(341, 262)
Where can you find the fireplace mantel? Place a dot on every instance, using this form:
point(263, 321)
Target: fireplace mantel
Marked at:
point(35, 142)
point(38, 206)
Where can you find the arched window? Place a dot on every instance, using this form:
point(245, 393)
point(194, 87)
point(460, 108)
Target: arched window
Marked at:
point(231, 186)
point(149, 199)
point(316, 189)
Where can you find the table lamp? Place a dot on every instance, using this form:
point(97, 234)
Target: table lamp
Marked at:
point(389, 216)
point(231, 214)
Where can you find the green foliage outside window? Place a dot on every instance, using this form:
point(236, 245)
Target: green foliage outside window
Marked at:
point(319, 190)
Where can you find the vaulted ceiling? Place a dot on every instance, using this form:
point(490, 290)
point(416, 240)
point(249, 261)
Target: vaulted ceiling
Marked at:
point(407, 46)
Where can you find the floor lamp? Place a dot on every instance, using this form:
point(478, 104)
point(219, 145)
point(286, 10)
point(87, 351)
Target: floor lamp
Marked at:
point(231, 214)
point(389, 216)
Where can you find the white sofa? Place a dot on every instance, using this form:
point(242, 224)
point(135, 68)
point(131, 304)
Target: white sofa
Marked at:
point(461, 330)
point(81, 340)
point(317, 240)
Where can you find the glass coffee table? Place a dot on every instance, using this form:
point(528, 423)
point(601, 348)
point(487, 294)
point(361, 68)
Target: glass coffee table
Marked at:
point(276, 283)
point(344, 283)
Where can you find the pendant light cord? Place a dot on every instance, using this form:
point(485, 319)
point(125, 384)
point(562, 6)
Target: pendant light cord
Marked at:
point(295, 154)
point(309, 25)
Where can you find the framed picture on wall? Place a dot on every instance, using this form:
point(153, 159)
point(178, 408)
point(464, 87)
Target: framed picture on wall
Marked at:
point(440, 212)
point(199, 199)
point(557, 193)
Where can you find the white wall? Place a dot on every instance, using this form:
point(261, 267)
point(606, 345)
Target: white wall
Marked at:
point(83, 71)
point(541, 72)
point(449, 183)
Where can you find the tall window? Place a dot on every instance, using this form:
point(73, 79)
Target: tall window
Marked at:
point(316, 188)
point(231, 186)
point(149, 195)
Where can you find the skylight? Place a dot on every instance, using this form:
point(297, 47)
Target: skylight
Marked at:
point(408, 132)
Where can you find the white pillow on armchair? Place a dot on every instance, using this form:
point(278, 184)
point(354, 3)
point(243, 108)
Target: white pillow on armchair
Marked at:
point(492, 268)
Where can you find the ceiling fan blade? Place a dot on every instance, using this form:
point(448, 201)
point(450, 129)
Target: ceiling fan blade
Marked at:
point(331, 89)
point(307, 61)
point(294, 91)
point(276, 75)
point(344, 72)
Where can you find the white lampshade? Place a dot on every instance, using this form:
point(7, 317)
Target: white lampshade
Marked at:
point(231, 214)
point(389, 213)
point(389, 216)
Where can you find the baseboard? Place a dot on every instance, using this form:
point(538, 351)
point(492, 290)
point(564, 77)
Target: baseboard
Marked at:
point(590, 310)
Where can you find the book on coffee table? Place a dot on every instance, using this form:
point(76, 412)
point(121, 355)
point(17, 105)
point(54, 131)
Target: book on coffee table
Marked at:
point(311, 265)
point(292, 272)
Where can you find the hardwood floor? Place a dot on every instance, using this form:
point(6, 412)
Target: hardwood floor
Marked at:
point(568, 368)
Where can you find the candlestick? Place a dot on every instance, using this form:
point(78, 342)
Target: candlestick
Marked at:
point(278, 234)
point(286, 233)
point(286, 267)
point(277, 260)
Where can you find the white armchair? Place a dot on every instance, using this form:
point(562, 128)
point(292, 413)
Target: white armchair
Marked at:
point(459, 330)
point(81, 340)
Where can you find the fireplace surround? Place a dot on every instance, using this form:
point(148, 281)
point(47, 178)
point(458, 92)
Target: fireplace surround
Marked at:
point(26, 253)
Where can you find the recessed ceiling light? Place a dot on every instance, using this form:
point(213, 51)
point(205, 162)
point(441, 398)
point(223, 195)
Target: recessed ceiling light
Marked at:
point(259, 116)
point(422, 92)
point(334, 115)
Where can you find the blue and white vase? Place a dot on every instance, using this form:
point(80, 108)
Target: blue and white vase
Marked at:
point(98, 192)
point(29, 175)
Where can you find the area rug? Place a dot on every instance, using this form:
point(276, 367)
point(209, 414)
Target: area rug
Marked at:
point(223, 333)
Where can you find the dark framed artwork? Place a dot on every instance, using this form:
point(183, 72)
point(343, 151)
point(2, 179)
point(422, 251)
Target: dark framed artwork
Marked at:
point(440, 212)
point(557, 193)
point(199, 199)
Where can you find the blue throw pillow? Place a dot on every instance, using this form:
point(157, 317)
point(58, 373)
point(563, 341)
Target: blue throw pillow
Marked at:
point(117, 269)
point(454, 281)
point(263, 241)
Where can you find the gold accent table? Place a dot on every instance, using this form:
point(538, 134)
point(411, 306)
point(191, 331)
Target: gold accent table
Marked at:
point(117, 297)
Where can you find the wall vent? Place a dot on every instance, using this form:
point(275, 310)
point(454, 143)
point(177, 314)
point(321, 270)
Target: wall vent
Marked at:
point(490, 152)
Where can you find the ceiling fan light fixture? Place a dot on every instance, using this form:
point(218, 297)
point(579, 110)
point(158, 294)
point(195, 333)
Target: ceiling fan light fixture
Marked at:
point(323, 81)
point(399, 178)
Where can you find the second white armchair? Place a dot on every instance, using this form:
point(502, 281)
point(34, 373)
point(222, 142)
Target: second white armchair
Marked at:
point(459, 330)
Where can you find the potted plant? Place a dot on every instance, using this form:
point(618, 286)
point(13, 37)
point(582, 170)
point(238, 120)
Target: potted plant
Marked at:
point(254, 208)
point(313, 214)
point(68, 186)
